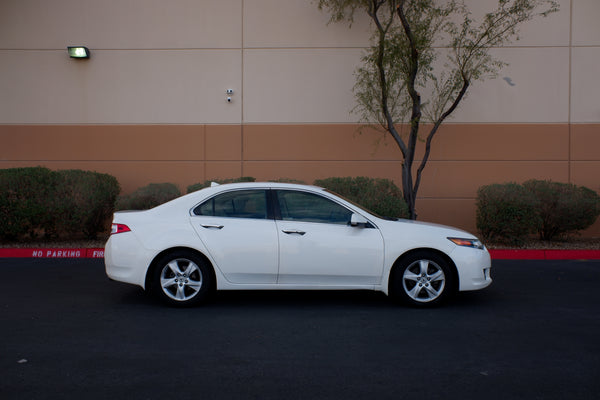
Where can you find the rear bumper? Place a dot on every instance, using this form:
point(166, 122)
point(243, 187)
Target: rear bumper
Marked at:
point(125, 259)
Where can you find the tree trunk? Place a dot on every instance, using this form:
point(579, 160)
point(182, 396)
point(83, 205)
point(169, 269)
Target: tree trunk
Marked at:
point(407, 188)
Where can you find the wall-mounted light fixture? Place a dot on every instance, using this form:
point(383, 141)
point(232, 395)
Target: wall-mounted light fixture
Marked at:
point(78, 52)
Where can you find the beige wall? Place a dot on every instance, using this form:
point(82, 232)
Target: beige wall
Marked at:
point(150, 105)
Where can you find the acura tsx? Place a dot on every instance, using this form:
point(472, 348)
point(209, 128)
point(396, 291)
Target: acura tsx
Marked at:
point(245, 236)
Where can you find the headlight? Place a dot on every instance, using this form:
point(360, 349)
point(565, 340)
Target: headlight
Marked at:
point(474, 243)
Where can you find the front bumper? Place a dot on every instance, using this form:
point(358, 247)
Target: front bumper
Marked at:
point(474, 268)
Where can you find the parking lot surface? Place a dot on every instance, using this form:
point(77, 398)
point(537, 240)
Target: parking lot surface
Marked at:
point(68, 332)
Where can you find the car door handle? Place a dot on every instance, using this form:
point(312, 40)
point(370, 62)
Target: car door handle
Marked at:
point(212, 226)
point(293, 231)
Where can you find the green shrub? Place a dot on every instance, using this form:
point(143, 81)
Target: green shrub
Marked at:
point(86, 202)
point(148, 196)
point(563, 208)
point(380, 195)
point(26, 200)
point(38, 202)
point(506, 213)
point(202, 185)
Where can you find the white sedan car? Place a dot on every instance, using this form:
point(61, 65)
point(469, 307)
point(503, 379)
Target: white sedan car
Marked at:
point(285, 236)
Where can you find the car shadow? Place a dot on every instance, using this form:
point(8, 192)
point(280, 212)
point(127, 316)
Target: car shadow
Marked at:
point(295, 298)
point(292, 299)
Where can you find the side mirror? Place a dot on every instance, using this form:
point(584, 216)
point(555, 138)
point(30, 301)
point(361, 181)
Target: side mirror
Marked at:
point(358, 220)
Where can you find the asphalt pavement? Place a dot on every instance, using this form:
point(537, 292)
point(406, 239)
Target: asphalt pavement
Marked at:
point(68, 332)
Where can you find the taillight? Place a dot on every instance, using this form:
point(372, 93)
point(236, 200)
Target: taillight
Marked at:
point(119, 228)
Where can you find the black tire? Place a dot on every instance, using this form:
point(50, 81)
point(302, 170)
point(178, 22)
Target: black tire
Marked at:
point(182, 279)
point(423, 279)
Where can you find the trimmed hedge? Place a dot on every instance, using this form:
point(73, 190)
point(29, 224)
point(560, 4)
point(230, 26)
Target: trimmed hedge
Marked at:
point(563, 207)
point(202, 185)
point(87, 202)
point(380, 195)
point(37, 202)
point(148, 196)
point(27, 201)
point(511, 212)
point(506, 212)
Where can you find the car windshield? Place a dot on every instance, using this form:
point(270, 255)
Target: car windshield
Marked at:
point(361, 207)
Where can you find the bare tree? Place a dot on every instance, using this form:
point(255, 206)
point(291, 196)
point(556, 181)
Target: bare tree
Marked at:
point(403, 83)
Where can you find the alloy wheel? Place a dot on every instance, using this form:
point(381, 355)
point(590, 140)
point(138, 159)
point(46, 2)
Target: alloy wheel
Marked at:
point(181, 279)
point(424, 281)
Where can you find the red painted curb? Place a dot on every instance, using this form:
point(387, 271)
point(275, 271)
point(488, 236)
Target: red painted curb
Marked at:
point(52, 253)
point(513, 254)
point(497, 254)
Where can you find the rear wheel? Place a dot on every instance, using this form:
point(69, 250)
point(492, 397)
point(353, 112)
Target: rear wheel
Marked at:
point(423, 279)
point(182, 278)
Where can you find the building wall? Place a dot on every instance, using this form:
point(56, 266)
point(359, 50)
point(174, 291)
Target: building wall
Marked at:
point(150, 105)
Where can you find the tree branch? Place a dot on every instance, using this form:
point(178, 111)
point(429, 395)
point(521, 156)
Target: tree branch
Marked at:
point(373, 13)
point(435, 128)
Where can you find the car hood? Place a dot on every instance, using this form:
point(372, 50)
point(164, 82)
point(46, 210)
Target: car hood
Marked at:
point(440, 227)
point(416, 234)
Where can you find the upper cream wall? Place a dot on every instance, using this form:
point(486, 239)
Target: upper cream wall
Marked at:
point(157, 61)
point(315, 84)
point(298, 68)
point(586, 29)
point(533, 88)
point(299, 85)
point(153, 61)
point(143, 86)
point(120, 24)
point(298, 23)
point(550, 31)
point(585, 86)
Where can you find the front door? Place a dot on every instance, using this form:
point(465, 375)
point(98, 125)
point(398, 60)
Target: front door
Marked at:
point(318, 247)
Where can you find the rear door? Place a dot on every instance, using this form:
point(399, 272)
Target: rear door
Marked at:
point(240, 235)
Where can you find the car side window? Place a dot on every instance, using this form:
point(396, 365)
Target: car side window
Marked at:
point(308, 207)
point(237, 204)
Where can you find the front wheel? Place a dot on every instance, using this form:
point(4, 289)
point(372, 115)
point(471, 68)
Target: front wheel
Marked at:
point(182, 279)
point(423, 279)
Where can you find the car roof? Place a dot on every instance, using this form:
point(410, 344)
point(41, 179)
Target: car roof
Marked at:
point(244, 185)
